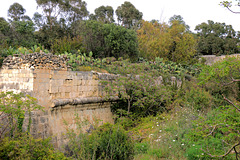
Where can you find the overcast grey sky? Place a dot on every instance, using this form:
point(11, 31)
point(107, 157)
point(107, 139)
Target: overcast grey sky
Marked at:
point(194, 12)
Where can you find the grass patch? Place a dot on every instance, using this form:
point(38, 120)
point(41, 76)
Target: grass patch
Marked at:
point(165, 135)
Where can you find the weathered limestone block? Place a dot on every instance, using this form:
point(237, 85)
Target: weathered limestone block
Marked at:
point(62, 93)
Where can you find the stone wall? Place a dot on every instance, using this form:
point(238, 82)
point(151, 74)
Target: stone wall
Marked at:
point(63, 93)
point(211, 59)
point(16, 80)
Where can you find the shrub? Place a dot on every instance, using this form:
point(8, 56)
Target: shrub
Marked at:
point(106, 142)
point(15, 144)
point(12, 110)
point(198, 98)
point(113, 142)
point(26, 147)
point(224, 74)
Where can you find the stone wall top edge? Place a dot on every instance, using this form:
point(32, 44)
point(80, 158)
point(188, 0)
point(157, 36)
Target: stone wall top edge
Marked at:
point(83, 100)
point(238, 54)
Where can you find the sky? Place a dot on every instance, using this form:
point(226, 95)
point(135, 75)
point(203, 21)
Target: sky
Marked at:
point(193, 12)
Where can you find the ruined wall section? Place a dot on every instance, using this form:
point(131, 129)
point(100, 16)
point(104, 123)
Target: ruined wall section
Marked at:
point(18, 71)
point(63, 93)
point(211, 59)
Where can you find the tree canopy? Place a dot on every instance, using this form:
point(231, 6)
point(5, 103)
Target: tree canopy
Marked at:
point(106, 40)
point(128, 15)
point(180, 20)
point(103, 14)
point(16, 11)
point(67, 25)
point(168, 42)
point(216, 38)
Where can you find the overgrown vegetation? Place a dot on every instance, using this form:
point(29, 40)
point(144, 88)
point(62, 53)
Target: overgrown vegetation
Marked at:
point(194, 115)
point(105, 142)
point(15, 141)
point(170, 106)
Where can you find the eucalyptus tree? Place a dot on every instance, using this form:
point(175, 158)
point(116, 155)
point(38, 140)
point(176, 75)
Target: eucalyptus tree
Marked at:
point(20, 28)
point(75, 10)
point(16, 12)
point(128, 15)
point(58, 19)
point(180, 21)
point(104, 14)
point(71, 10)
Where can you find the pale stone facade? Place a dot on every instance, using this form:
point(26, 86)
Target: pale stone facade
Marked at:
point(63, 94)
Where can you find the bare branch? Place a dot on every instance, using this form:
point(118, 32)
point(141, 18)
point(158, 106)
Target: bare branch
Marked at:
point(233, 80)
point(236, 152)
point(224, 155)
point(232, 11)
point(212, 130)
point(225, 142)
point(231, 103)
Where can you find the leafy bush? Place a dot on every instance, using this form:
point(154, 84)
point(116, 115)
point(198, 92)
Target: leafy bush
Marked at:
point(147, 87)
point(223, 77)
point(14, 143)
point(138, 89)
point(26, 147)
point(106, 142)
point(197, 98)
point(12, 110)
point(113, 142)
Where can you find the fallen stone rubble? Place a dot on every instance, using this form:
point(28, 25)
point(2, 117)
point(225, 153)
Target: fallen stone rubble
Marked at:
point(36, 61)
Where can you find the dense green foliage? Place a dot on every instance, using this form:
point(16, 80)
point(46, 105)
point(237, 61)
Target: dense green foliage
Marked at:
point(215, 133)
point(27, 147)
point(128, 15)
point(216, 39)
point(105, 142)
point(146, 88)
point(107, 40)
